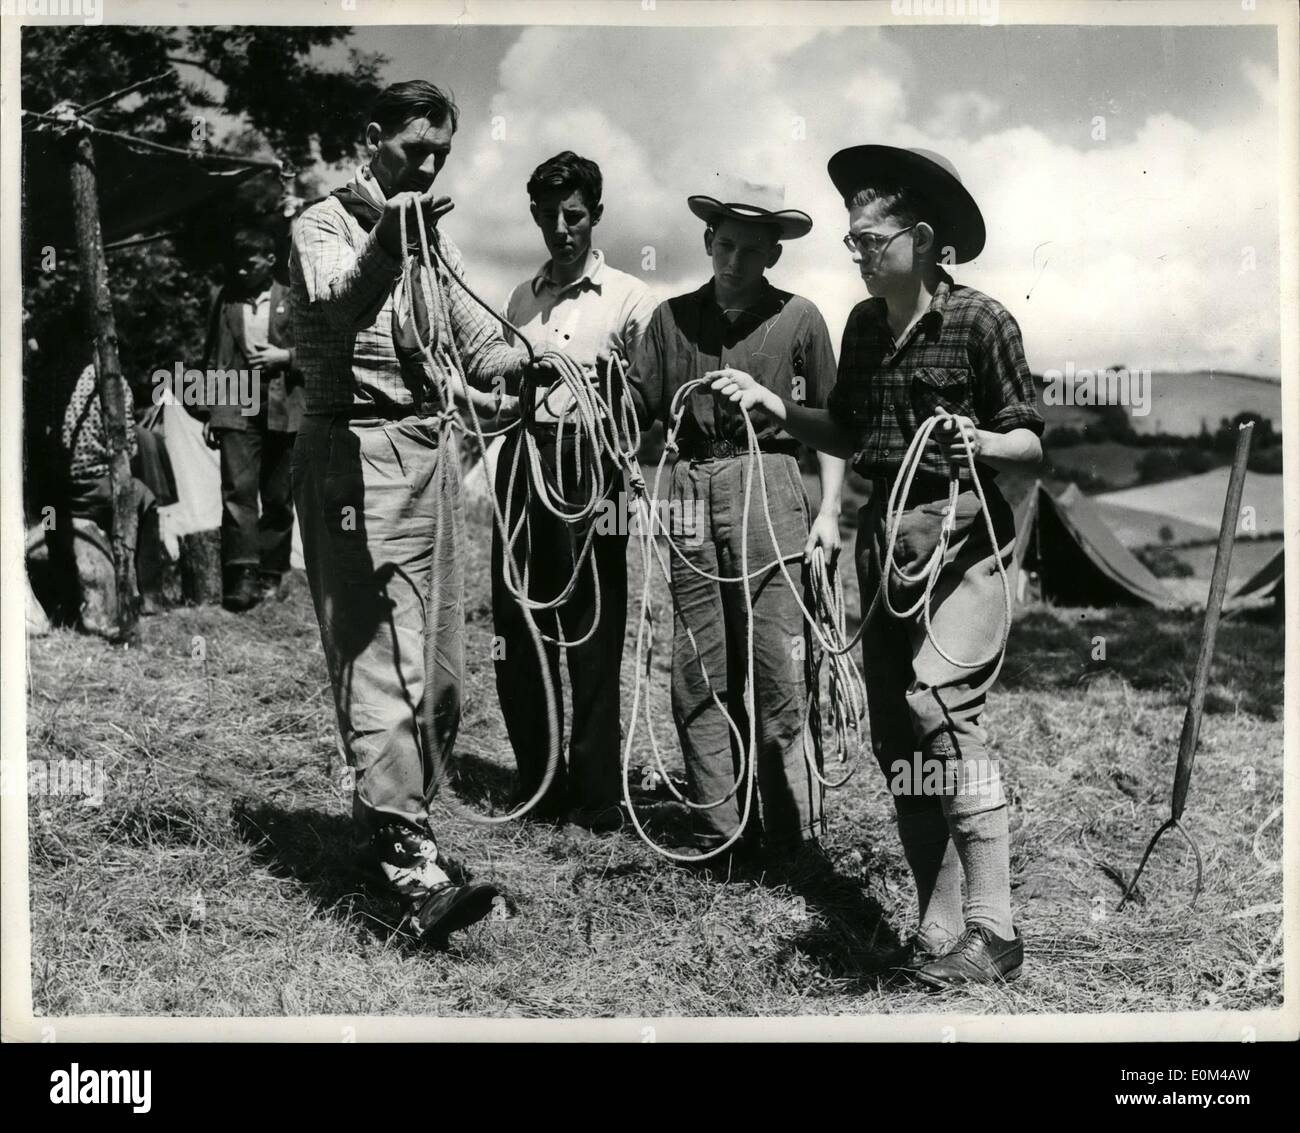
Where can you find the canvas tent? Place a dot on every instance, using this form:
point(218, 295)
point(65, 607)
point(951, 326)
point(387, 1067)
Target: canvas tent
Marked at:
point(1191, 507)
point(1267, 582)
point(1079, 562)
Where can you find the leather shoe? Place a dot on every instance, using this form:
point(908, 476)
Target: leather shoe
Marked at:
point(241, 590)
point(742, 859)
point(599, 820)
point(268, 585)
point(906, 958)
point(551, 808)
point(980, 956)
point(449, 907)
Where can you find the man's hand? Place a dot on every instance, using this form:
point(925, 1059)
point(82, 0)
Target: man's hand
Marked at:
point(553, 403)
point(960, 437)
point(550, 399)
point(389, 227)
point(269, 358)
point(741, 388)
point(825, 534)
point(209, 437)
point(507, 412)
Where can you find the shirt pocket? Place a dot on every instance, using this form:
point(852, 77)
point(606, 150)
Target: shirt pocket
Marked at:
point(936, 387)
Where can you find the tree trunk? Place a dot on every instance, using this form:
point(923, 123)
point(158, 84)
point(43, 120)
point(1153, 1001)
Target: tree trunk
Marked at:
point(201, 567)
point(98, 304)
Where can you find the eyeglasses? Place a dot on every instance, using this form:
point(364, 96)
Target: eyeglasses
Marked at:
point(872, 245)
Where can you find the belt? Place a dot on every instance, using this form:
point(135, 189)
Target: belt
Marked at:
point(383, 412)
point(926, 488)
point(722, 450)
point(930, 486)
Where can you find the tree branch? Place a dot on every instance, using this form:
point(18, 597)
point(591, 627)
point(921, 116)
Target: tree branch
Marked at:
point(202, 66)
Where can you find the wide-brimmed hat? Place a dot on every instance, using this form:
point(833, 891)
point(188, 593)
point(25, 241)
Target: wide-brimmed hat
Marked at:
point(750, 200)
point(931, 175)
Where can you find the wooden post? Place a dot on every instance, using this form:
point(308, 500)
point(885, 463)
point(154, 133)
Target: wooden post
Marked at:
point(98, 304)
point(1214, 606)
point(1196, 702)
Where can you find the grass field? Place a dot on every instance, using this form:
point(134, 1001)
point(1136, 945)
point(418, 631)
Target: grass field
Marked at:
point(215, 877)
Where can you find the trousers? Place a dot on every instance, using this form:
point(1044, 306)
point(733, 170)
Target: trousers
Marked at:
point(917, 701)
point(705, 507)
point(548, 549)
point(256, 464)
point(382, 518)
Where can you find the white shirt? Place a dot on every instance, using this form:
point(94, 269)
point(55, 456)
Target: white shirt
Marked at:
point(601, 309)
point(257, 319)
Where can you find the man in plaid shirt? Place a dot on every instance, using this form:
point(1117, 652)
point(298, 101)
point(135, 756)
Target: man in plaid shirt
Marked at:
point(377, 517)
point(924, 345)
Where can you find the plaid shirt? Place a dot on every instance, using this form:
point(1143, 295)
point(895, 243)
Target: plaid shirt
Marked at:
point(964, 354)
point(343, 287)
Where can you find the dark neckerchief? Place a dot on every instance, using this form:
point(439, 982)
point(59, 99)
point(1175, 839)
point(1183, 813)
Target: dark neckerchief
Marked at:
point(364, 212)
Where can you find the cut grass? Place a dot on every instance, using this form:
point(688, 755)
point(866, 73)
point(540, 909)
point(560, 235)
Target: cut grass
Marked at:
point(217, 876)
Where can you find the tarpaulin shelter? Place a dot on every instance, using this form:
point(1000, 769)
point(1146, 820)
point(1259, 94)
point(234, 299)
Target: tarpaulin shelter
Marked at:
point(142, 185)
point(1079, 562)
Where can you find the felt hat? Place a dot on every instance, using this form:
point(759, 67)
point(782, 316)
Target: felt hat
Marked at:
point(749, 200)
point(931, 175)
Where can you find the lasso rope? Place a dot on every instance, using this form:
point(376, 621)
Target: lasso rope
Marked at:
point(607, 433)
point(929, 574)
point(848, 696)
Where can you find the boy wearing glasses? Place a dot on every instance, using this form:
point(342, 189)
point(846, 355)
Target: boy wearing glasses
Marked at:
point(922, 345)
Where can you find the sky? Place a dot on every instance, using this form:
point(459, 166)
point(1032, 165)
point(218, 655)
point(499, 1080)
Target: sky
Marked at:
point(1149, 239)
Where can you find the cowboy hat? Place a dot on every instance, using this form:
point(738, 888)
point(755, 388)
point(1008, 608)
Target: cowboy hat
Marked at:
point(932, 176)
point(749, 200)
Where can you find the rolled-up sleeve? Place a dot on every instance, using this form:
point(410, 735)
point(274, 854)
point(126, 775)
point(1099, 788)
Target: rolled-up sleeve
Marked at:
point(640, 309)
point(348, 284)
point(839, 403)
point(819, 360)
point(1004, 389)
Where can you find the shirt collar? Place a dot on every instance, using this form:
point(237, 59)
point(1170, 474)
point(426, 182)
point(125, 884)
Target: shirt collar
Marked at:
point(767, 302)
point(938, 301)
point(590, 277)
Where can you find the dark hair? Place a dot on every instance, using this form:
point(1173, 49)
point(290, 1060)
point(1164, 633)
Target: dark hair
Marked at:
point(902, 202)
point(249, 240)
point(567, 171)
point(417, 98)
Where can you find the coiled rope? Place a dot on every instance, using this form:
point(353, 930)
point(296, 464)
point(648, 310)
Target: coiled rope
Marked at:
point(607, 433)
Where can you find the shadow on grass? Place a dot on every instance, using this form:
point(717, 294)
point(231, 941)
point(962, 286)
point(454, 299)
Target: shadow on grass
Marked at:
point(481, 783)
point(1153, 650)
point(316, 850)
point(850, 933)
